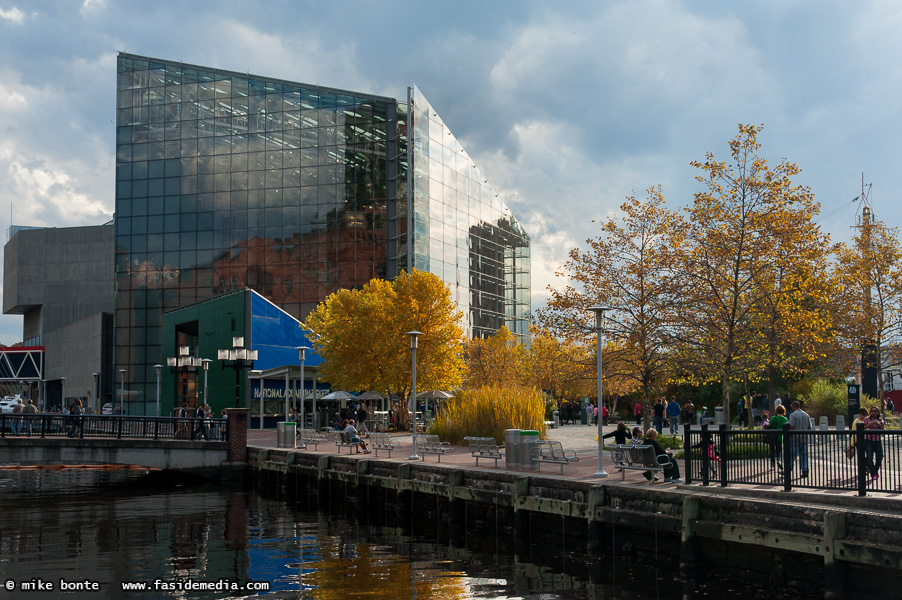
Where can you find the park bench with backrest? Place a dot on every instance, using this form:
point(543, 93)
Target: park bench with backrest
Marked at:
point(344, 441)
point(430, 444)
point(484, 447)
point(549, 451)
point(638, 458)
point(383, 441)
point(311, 438)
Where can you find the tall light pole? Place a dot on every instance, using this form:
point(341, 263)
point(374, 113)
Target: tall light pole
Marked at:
point(122, 391)
point(158, 369)
point(302, 354)
point(63, 384)
point(599, 324)
point(413, 392)
point(97, 405)
point(206, 362)
point(241, 358)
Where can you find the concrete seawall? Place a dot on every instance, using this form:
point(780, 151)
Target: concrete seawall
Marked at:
point(693, 526)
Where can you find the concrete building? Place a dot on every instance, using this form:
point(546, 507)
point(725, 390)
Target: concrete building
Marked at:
point(61, 281)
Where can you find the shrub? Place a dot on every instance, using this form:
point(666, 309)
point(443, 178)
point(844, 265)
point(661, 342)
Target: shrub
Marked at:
point(488, 411)
point(826, 399)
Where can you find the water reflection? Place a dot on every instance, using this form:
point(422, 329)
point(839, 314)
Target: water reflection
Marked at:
point(113, 527)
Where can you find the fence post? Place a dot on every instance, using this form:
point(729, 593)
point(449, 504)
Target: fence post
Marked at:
point(861, 461)
point(704, 446)
point(687, 445)
point(722, 442)
point(787, 458)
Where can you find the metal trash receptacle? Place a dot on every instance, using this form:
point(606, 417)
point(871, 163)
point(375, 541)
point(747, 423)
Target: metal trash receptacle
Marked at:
point(528, 439)
point(718, 415)
point(285, 434)
point(556, 419)
point(512, 448)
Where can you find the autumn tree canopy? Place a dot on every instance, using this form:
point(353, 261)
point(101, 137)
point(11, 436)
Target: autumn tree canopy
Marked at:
point(360, 335)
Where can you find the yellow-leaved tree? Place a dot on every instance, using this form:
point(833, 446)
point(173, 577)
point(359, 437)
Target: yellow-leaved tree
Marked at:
point(497, 360)
point(747, 264)
point(361, 336)
point(628, 268)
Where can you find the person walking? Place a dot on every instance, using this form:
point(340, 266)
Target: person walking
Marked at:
point(873, 442)
point(799, 421)
point(658, 409)
point(75, 412)
point(637, 412)
point(589, 413)
point(200, 423)
point(775, 439)
point(17, 418)
point(689, 410)
point(673, 415)
point(27, 411)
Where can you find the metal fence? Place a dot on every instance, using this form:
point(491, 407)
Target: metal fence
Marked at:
point(46, 425)
point(852, 460)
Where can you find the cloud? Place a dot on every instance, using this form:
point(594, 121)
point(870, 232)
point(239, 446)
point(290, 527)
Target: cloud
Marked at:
point(92, 6)
point(14, 15)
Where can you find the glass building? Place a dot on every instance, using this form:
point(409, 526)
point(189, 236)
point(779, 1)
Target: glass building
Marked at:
point(226, 180)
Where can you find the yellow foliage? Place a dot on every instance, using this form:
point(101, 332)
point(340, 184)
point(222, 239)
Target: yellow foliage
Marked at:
point(488, 411)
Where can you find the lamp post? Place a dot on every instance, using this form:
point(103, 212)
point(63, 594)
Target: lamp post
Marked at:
point(302, 354)
point(599, 323)
point(206, 362)
point(254, 374)
point(183, 362)
point(413, 392)
point(241, 358)
point(97, 405)
point(159, 369)
point(122, 391)
point(63, 384)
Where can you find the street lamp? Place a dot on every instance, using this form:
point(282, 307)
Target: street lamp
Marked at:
point(413, 393)
point(97, 404)
point(184, 361)
point(241, 358)
point(302, 354)
point(122, 391)
point(158, 368)
point(206, 362)
point(599, 324)
point(63, 384)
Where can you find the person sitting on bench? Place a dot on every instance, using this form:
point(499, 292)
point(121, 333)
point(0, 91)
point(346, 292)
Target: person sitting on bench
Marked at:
point(671, 471)
point(355, 437)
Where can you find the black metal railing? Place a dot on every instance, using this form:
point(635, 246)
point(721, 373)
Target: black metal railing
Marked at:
point(44, 425)
point(852, 460)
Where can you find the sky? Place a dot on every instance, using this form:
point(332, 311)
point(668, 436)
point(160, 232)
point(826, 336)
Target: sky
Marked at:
point(567, 107)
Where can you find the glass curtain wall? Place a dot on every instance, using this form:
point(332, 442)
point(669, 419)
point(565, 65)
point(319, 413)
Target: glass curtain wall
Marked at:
point(225, 180)
point(462, 231)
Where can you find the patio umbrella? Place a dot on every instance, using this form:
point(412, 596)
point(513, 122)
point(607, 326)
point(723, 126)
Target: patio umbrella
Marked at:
point(434, 395)
point(339, 395)
point(371, 395)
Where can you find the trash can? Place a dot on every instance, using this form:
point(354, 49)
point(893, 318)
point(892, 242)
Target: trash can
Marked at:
point(583, 417)
point(718, 415)
point(316, 424)
point(555, 419)
point(528, 439)
point(285, 434)
point(512, 448)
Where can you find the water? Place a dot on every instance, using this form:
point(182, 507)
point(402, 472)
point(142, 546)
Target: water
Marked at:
point(110, 528)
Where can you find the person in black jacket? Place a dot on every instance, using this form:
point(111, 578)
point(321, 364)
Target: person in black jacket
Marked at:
point(621, 435)
point(672, 471)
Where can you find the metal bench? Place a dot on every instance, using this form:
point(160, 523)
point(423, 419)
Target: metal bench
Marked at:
point(484, 447)
point(383, 441)
point(311, 438)
point(637, 458)
point(344, 441)
point(430, 444)
point(552, 452)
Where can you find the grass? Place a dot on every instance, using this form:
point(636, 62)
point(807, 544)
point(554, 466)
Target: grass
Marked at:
point(488, 411)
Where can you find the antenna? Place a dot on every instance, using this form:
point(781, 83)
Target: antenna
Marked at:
point(864, 214)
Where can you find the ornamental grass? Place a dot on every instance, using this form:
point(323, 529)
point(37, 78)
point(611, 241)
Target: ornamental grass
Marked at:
point(488, 411)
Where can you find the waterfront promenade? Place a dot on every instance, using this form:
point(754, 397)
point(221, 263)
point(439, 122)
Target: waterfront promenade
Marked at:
point(581, 439)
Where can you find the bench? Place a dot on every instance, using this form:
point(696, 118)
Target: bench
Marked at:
point(430, 444)
point(552, 452)
point(343, 440)
point(638, 458)
point(484, 447)
point(383, 441)
point(311, 438)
